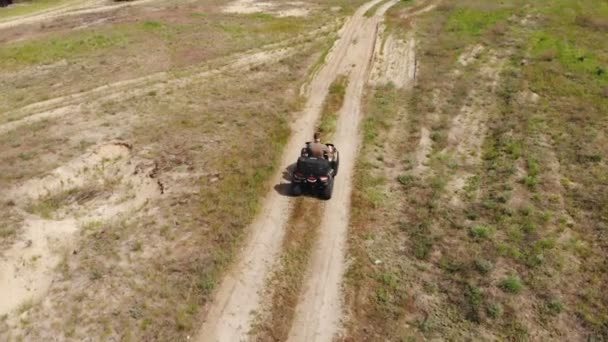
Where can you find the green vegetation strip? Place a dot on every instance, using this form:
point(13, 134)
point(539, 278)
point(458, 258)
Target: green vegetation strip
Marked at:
point(332, 105)
point(28, 7)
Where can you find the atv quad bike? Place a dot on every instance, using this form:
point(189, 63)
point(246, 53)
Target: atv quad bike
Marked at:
point(315, 175)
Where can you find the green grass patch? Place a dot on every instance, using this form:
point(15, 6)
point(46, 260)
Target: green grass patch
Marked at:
point(548, 47)
point(480, 232)
point(28, 7)
point(46, 50)
point(511, 284)
point(469, 22)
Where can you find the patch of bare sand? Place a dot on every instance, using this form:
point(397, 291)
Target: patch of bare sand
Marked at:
point(288, 9)
point(423, 151)
point(27, 268)
point(470, 54)
point(425, 144)
point(394, 61)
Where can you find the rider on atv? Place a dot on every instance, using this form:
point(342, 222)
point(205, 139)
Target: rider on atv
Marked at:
point(316, 168)
point(316, 148)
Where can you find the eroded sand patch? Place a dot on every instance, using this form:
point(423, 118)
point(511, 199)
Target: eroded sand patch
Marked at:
point(289, 9)
point(100, 185)
point(394, 61)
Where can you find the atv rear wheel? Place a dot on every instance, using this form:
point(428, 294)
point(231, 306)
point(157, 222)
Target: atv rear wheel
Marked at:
point(328, 190)
point(296, 189)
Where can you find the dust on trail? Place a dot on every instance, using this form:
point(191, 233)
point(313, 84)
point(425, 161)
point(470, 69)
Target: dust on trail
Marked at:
point(28, 267)
point(231, 313)
point(319, 311)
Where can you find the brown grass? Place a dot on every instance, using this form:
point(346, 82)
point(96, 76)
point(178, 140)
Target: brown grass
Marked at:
point(506, 262)
point(149, 274)
point(592, 22)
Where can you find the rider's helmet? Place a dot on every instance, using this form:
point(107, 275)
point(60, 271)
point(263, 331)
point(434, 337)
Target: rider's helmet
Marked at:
point(317, 137)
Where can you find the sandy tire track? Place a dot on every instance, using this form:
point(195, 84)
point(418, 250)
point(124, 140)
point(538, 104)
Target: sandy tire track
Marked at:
point(230, 315)
point(319, 311)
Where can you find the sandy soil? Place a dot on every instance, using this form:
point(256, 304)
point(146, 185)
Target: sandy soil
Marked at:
point(319, 312)
point(289, 9)
point(28, 267)
point(394, 61)
point(70, 8)
point(123, 90)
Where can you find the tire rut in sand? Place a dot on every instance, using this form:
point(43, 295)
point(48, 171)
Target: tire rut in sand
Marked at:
point(230, 315)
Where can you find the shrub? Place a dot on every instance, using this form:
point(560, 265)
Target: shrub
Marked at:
point(483, 266)
point(406, 179)
point(479, 232)
point(511, 284)
point(494, 310)
point(555, 307)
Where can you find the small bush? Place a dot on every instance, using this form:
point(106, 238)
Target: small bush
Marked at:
point(406, 179)
point(511, 284)
point(530, 181)
point(483, 266)
point(555, 307)
point(494, 310)
point(381, 295)
point(479, 232)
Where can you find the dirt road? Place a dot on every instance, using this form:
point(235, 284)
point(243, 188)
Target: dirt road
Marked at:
point(229, 317)
point(318, 313)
